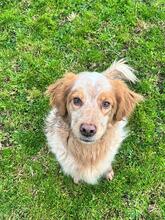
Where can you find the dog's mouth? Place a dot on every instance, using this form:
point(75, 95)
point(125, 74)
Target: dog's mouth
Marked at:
point(86, 140)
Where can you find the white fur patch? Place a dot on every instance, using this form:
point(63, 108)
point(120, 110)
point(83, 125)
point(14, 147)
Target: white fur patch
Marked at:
point(57, 131)
point(92, 79)
point(58, 145)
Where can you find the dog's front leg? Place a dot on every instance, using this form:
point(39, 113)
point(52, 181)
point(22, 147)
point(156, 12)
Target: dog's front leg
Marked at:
point(76, 180)
point(110, 174)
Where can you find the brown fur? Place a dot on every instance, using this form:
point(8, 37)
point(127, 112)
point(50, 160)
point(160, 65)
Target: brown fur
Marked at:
point(71, 96)
point(59, 91)
point(108, 96)
point(92, 153)
point(123, 102)
point(84, 154)
point(125, 98)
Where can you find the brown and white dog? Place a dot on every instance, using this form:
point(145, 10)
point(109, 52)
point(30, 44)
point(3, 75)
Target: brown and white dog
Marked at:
point(86, 125)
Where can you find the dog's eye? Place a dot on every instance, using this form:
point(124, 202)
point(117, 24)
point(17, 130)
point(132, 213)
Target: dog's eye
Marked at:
point(105, 104)
point(77, 101)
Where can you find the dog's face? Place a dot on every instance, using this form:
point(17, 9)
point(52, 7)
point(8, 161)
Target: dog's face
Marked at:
point(90, 106)
point(92, 102)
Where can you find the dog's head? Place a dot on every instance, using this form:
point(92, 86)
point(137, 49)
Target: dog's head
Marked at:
point(92, 100)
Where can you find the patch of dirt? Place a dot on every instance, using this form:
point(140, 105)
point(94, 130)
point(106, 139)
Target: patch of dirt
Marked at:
point(6, 143)
point(161, 82)
point(142, 26)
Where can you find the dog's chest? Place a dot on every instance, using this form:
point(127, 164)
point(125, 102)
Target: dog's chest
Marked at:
point(87, 155)
point(83, 161)
point(90, 163)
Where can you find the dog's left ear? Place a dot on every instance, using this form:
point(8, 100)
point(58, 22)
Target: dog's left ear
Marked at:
point(59, 91)
point(126, 100)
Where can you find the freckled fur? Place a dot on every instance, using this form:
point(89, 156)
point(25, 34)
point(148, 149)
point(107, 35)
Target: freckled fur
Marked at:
point(84, 162)
point(88, 161)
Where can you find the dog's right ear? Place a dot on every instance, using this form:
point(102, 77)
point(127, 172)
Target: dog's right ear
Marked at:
point(59, 91)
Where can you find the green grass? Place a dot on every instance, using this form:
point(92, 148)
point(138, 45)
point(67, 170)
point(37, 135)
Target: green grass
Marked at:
point(40, 41)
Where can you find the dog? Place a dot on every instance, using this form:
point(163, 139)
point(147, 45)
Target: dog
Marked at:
point(87, 123)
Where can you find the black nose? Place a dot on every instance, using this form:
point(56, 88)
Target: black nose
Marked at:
point(88, 130)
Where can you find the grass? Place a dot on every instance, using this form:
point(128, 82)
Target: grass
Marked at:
point(40, 40)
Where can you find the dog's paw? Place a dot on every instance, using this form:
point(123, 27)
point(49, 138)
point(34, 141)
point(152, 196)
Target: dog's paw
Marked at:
point(110, 175)
point(76, 180)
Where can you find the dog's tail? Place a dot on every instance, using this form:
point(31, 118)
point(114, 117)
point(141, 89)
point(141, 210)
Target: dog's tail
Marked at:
point(120, 70)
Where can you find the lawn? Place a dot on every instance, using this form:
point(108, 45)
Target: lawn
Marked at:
point(40, 41)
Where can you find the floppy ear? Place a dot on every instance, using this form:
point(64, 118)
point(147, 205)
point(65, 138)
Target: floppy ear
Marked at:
point(59, 91)
point(126, 100)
